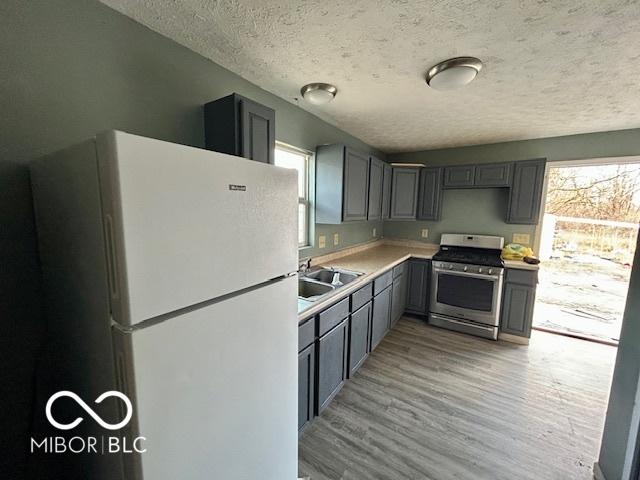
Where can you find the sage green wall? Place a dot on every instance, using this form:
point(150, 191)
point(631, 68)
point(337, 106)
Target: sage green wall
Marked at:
point(463, 211)
point(623, 413)
point(68, 71)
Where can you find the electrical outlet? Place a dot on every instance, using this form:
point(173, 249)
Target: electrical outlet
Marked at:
point(322, 241)
point(424, 233)
point(522, 238)
point(336, 239)
point(374, 233)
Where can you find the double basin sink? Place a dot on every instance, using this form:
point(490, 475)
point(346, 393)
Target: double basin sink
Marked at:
point(315, 284)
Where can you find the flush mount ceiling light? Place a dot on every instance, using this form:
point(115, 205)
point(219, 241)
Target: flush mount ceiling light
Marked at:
point(453, 73)
point(318, 93)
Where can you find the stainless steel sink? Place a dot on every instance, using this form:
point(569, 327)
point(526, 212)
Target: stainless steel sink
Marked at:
point(333, 276)
point(312, 290)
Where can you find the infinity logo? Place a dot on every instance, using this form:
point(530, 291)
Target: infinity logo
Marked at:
point(87, 408)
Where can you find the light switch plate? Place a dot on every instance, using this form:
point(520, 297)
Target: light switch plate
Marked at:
point(322, 241)
point(336, 239)
point(374, 232)
point(522, 238)
point(424, 233)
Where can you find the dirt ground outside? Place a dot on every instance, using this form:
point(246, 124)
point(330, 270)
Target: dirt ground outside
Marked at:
point(582, 294)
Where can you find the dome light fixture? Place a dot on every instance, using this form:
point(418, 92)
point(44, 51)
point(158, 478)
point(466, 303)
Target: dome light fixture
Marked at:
point(453, 73)
point(318, 93)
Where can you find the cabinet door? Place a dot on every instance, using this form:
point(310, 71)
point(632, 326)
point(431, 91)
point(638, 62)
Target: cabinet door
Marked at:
point(355, 186)
point(306, 386)
point(459, 177)
point(404, 193)
point(376, 174)
point(517, 309)
point(398, 300)
point(380, 316)
point(258, 131)
point(493, 175)
point(359, 330)
point(418, 287)
point(429, 204)
point(386, 191)
point(332, 364)
point(525, 196)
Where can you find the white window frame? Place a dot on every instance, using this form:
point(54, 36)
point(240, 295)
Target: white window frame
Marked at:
point(305, 199)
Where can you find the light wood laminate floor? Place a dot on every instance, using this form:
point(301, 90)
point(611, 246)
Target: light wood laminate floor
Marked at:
point(434, 404)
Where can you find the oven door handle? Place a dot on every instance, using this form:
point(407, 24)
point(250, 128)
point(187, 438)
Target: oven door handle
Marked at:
point(467, 274)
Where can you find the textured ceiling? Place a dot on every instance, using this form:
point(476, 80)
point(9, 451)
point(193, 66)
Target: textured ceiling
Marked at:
point(551, 67)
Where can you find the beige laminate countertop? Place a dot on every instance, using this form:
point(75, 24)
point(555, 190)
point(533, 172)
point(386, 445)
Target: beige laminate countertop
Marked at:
point(374, 261)
point(371, 262)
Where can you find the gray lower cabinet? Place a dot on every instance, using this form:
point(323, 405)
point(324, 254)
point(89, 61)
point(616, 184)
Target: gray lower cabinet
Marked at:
point(518, 299)
point(342, 184)
point(359, 331)
point(493, 175)
point(419, 276)
point(239, 126)
point(386, 190)
point(306, 386)
point(376, 179)
point(380, 316)
point(404, 193)
point(332, 364)
point(525, 196)
point(459, 176)
point(398, 299)
point(430, 196)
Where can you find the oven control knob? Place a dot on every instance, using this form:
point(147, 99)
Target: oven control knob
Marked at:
point(450, 267)
point(465, 269)
point(490, 272)
point(479, 270)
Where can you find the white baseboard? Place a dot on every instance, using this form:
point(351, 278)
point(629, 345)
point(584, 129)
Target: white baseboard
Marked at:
point(597, 472)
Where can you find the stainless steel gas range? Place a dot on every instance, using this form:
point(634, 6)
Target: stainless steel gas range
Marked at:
point(466, 284)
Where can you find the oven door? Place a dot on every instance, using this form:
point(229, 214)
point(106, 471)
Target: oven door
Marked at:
point(469, 296)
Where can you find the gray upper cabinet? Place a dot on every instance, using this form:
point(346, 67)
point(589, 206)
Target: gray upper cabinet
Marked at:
point(517, 302)
point(386, 191)
point(493, 175)
point(459, 176)
point(404, 193)
point(342, 185)
point(429, 201)
point(239, 126)
point(376, 179)
point(525, 196)
point(418, 286)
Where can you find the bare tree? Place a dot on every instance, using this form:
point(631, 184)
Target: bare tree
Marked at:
point(606, 193)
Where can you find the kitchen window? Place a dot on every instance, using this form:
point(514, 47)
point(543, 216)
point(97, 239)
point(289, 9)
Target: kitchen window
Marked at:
point(298, 159)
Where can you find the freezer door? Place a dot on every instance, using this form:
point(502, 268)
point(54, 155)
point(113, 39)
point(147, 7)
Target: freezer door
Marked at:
point(216, 389)
point(185, 225)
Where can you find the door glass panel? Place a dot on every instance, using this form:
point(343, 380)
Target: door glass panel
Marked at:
point(465, 292)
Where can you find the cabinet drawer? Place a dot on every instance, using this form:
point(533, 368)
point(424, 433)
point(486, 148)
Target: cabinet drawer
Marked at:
point(332, 316)
point(399, 269)
point(306, 333)
point(382, 282)
point(523, 277)
point(362, 296)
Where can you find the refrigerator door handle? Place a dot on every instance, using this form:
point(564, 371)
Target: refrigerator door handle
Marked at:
point(111, 256)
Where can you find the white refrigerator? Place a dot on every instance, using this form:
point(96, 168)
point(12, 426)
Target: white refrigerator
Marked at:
point(169, 275)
